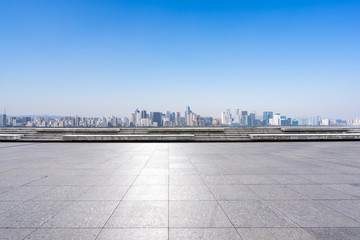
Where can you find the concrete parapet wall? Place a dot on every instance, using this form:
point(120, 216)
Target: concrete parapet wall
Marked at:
point(5, 137)
point(130, 138)
point(226, 134)
point(315, 129)
point(303, 137)
point(185, 129)
point(66, 130)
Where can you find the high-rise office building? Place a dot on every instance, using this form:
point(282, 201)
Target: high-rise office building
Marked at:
point(315, 121)
point(223, 118)
point(237, 117)
point(187, 115)
point(143, 114)
point(228, 117)
point(245, 120)
point(77, 121)
point(156, 119)
point(276, 120)
point(177, 119)
point(252, 118)
point(172, 117)
point(267, 116)
point(3, 120)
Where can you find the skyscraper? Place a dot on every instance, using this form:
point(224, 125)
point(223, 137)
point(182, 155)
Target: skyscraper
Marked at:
point(172, 117)
point(223, 118)
point(187, 115)
point(251, 119)
point(237, 117)
point(3, 120)
point(156, 119)
point(267, 116)
point(143, 114)
point(244, 120)
point(177, 119)
point(228, 116)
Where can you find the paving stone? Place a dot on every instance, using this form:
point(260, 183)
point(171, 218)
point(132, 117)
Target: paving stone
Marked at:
point(308, 213)
point(143, 192)
point(320, 192)
point(15, 233)
point(83, 214)
point(134, 234)
point(197, 214)
point(183, 172)
point(152, 180)
point(254, 214)
point(103, 193)
point(186, 180)
point(334, 178)
point(140, 214)
point(154, 172)
point(346, 207)
point(290, 179)
point(204, 233)
point(7, 206)
point(180, 165)
point(232, 192)
point(190, 192)
point(220, 180)
point(335, 233)
point(69, 234)
point(274, 234)
point(255, 179)
point(23, 193)
point(61, 193)
point(276, 192)
point(351, 189)
point(31, 214)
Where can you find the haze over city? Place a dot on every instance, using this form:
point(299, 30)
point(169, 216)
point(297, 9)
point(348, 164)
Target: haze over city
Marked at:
point(92, 58)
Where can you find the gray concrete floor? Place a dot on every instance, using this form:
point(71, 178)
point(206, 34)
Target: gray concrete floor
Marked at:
point(301, 190)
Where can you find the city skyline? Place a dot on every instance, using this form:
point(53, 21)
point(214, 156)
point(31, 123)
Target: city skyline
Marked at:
point(144, 118)
point(96, 58)
point(216, 115)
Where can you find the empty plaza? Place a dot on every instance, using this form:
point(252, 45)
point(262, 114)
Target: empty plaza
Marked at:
point(263, 190)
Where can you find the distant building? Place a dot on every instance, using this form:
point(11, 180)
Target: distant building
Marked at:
point(237, 117)
point(3, 120)
point(187, 115)
point(156, 119)
point(143, 114)
point(223, 118)
point(172, 118)
point(325, 122)
point(245, 120)
point(177, 119)
point(276, 120)
point(286, 122)
point(208, 121)
point(228, 117)
point(267, 116)
point(315, 121)
point(215, 122)
point(252, 118)
point(145, 122)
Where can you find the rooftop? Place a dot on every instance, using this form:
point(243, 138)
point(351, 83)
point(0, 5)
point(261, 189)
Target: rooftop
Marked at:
point(257, 190)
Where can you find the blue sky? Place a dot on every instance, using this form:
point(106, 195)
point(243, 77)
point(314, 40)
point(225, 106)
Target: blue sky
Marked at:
point(94, 58)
